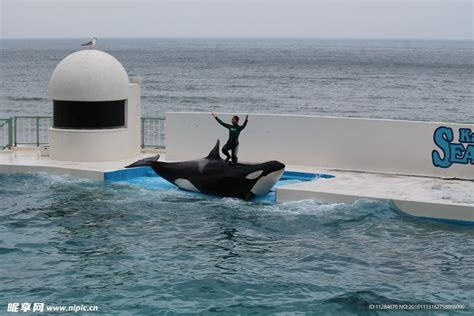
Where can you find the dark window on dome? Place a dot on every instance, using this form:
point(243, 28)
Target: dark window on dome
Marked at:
point(88, 115)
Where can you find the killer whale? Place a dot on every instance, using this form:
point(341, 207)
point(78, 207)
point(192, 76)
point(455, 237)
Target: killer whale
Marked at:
point(212, 175)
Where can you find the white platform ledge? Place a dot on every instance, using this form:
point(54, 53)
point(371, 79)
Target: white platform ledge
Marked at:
point(417, 196)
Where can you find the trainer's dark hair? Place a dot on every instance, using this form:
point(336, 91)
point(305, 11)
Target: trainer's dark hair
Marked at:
point(236, 117)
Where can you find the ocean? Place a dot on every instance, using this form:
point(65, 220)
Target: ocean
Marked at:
point(392, 79)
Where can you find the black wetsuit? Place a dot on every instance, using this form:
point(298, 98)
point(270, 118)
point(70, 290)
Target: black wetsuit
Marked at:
point(233, 141)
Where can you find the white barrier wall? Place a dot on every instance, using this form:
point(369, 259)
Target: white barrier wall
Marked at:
point(370, 145)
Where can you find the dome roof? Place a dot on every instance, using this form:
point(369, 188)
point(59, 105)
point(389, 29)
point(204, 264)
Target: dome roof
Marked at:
point(89, 75)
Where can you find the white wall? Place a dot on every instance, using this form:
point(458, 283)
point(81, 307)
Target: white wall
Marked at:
point(88, 145)
point(386, 146)
point(134, 120)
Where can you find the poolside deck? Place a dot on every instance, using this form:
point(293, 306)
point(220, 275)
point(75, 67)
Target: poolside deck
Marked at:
point(418, 196)
point(29, 160)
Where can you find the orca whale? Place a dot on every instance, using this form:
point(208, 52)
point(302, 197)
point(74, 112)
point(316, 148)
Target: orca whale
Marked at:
point(212, 175)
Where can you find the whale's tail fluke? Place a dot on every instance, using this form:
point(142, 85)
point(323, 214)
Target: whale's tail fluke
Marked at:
point(144, 162)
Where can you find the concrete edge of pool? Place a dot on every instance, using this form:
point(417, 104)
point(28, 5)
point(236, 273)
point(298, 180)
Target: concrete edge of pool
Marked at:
point(424, 197)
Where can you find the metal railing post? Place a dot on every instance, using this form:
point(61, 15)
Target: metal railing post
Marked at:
point(37, 131)
point(143, 132)
point(10, 133)
point(4, 122)
point(14, 131)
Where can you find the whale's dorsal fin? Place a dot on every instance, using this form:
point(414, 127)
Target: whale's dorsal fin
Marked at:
point(214, 154)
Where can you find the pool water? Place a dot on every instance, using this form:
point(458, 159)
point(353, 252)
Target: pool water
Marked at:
point(133, 249)
point(145, 177)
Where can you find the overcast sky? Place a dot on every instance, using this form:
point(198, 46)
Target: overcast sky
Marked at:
point(399, 19)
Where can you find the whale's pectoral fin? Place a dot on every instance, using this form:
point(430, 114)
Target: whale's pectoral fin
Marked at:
point(214, 154)
point(144, 162)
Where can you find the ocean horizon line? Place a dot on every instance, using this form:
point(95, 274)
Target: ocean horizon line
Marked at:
point(244, 38)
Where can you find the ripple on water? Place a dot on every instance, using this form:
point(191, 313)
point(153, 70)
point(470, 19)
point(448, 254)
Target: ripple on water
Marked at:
point(137, 250)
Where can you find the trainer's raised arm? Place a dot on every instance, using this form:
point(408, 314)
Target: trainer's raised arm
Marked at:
point(214, 115)
point(245, 122)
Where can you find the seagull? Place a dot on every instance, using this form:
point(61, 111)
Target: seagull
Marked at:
point(90, 43)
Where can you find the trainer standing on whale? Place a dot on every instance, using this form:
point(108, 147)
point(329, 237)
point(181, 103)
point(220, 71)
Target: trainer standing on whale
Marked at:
point(233, 141)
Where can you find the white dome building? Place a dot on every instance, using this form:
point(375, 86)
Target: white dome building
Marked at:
point(89, 75)
point(96, 110)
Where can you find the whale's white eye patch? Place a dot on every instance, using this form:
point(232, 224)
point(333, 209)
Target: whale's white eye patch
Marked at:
point(254, 175)
point(186, 185)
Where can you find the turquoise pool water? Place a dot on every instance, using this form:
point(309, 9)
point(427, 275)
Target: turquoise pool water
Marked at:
point(136, 250)
point(145, 177)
